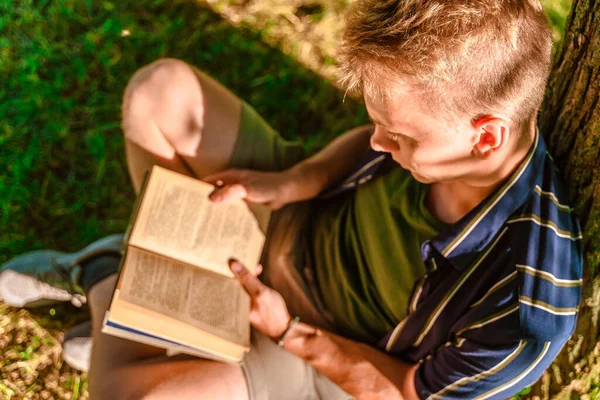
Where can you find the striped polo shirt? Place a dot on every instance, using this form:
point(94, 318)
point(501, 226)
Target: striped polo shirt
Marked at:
point(502, 289)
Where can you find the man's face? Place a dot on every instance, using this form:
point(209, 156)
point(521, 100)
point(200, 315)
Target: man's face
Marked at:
point(431, 148)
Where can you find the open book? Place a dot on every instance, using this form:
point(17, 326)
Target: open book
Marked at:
point(175, 289)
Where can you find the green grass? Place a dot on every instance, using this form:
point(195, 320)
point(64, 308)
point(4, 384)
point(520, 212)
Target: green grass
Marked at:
point(63, 179)
point(557, 11)
point(64, 66)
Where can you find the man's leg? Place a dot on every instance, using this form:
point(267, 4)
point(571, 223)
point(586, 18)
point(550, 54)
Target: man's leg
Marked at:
point(179, 118)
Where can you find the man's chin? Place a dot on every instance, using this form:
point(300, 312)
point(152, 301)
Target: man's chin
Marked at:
point(421, 178)
point(418, 177)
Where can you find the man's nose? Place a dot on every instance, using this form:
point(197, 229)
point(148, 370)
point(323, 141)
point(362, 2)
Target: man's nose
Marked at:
point(381, 142)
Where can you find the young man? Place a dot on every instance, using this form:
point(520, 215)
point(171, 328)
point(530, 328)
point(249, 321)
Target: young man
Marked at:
point(447, 265)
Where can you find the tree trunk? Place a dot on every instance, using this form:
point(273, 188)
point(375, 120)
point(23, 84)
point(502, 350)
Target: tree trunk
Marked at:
point(570, 123)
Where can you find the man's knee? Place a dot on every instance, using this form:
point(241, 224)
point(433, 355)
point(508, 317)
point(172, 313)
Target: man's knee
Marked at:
point(162, 91)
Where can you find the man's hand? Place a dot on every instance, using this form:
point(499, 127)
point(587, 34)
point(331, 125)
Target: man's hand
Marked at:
point(362, 371)
point(268, 312)
point(274, 189)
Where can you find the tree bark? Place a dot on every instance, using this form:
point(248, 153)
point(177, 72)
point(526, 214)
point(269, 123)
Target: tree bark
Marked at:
point(570, 123)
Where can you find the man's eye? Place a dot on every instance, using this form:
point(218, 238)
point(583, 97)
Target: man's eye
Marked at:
point(398, 137)
point(394, 136)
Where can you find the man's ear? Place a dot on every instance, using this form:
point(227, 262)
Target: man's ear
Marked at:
point(492, 134)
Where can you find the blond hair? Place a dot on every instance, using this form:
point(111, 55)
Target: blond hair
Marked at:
point(474, 57)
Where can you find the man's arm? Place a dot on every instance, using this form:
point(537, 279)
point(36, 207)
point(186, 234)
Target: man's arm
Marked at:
point(330, 165)
point(361, 370)
point(303, 181)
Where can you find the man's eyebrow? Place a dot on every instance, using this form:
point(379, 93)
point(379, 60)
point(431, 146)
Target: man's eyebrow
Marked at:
point(373, 120)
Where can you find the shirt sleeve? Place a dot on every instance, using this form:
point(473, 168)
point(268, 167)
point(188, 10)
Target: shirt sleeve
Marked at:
point(468, 370)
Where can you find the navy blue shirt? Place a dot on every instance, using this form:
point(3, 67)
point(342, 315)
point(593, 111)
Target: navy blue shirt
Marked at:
point(501, 295)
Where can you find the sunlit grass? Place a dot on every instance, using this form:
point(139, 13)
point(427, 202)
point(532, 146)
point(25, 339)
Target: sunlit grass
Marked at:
point(557, 11)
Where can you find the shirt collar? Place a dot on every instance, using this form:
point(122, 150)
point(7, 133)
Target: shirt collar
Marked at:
point(462, 241)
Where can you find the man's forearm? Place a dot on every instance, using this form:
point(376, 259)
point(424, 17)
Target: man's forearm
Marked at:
point(329, 166)
point(362, 371)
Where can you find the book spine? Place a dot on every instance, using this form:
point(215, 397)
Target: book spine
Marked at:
point(134, 213)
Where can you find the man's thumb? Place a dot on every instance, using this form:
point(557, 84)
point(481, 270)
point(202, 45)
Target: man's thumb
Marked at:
point(229, 193)
point(250, 282)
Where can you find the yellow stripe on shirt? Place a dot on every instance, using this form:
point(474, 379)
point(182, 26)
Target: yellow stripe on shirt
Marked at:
point(481, 375)
point(549, 277)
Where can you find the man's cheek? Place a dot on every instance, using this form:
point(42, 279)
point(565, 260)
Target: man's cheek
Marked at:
point(402, 161)
point(416, 161)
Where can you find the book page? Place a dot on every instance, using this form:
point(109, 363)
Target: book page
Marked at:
point(200, 298)
point(176, 219)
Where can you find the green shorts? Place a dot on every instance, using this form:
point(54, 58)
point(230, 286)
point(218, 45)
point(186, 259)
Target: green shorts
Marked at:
point(271, 372)
point(260, 147)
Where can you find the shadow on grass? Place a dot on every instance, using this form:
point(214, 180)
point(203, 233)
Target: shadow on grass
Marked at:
point(63, 179)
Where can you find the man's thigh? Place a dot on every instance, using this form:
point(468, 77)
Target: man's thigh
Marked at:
point(270, 373)
point(260, 147)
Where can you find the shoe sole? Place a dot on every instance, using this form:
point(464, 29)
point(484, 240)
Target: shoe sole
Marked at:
point(78, 357)
point(77, 346)
point(37, 293)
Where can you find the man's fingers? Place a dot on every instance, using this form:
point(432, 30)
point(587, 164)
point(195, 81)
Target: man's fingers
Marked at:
point(229, 193)
point(250, 282)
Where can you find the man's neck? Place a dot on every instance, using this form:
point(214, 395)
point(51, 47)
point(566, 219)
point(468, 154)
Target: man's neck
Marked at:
point(450, 201)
